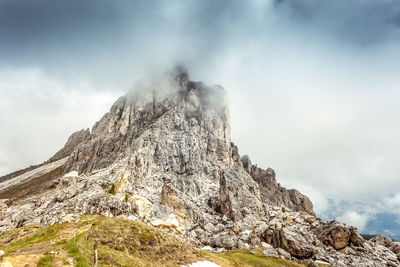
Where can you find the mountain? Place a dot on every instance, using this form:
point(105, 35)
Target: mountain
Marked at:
point(163, 155)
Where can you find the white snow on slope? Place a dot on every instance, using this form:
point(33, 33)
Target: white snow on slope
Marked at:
point(202, 264)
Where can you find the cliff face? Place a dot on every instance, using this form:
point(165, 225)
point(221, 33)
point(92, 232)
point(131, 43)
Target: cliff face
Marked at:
point(177, 121)
point(163, 155)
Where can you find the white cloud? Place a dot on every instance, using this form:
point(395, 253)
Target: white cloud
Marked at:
point(394, 201)
point(39, 113)
point(392, 205)
point(355, 219)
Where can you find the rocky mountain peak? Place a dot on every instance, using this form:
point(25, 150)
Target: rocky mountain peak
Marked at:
point(163, 155)
point(171, 102)
point(176, 127)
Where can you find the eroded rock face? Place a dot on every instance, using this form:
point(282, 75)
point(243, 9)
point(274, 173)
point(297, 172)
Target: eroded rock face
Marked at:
point(234, 192)
point(74, 140)
point(170, 198)
point(272, 192)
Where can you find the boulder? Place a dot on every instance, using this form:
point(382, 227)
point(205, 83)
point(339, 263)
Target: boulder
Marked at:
point(340, 237)
point(171, 199)
point(299, 250)
point(355, 237)
point(227, 240)
point(283, 253)
point(293, 242)
point(243, 245)
point(139, 205)
point(170, 223)
point(269, 251)
point(333, 233)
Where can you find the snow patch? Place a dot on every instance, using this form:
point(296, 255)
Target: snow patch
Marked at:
point(202, 264)
point(72, 174)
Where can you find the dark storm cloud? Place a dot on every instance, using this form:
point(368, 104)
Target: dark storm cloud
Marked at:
point(47, 31)
point(79, 34)
point(84, 36)
point(359, 21)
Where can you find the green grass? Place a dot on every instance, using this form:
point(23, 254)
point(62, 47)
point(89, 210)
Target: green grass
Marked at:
point(75, 252)
point(124, 243)
point(40, 236)
point(243, 258)
point(146, 237)
point(46, 261)
point(112, 190)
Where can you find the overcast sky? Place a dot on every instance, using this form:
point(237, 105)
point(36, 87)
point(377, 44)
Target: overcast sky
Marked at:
point(314, 85)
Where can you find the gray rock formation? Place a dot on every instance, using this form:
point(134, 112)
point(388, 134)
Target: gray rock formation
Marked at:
point(163, 155)
point(394, 246)
point(74, 140)
point(275, 194)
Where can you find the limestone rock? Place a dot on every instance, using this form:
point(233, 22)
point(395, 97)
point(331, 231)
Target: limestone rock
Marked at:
point(394, 246)
point(355, 237)
point(234, 191)
point(272, 192)
point(73, 141)
point(139, 206)
point(283, 253)
point(170, 223)
point(334, 234)
point(269, 251)
point(171, 199)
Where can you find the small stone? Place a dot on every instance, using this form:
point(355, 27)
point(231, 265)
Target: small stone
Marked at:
point(207, 248)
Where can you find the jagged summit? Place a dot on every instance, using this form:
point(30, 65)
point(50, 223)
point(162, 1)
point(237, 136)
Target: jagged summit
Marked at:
point(172, 100)
point(163, 155)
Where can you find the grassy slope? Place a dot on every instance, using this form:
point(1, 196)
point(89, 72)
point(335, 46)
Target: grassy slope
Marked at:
point(243, 258)
point(121, 243)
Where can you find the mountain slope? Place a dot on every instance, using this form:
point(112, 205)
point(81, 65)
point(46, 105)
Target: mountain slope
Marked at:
point(163, 155)
point(120, 243)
